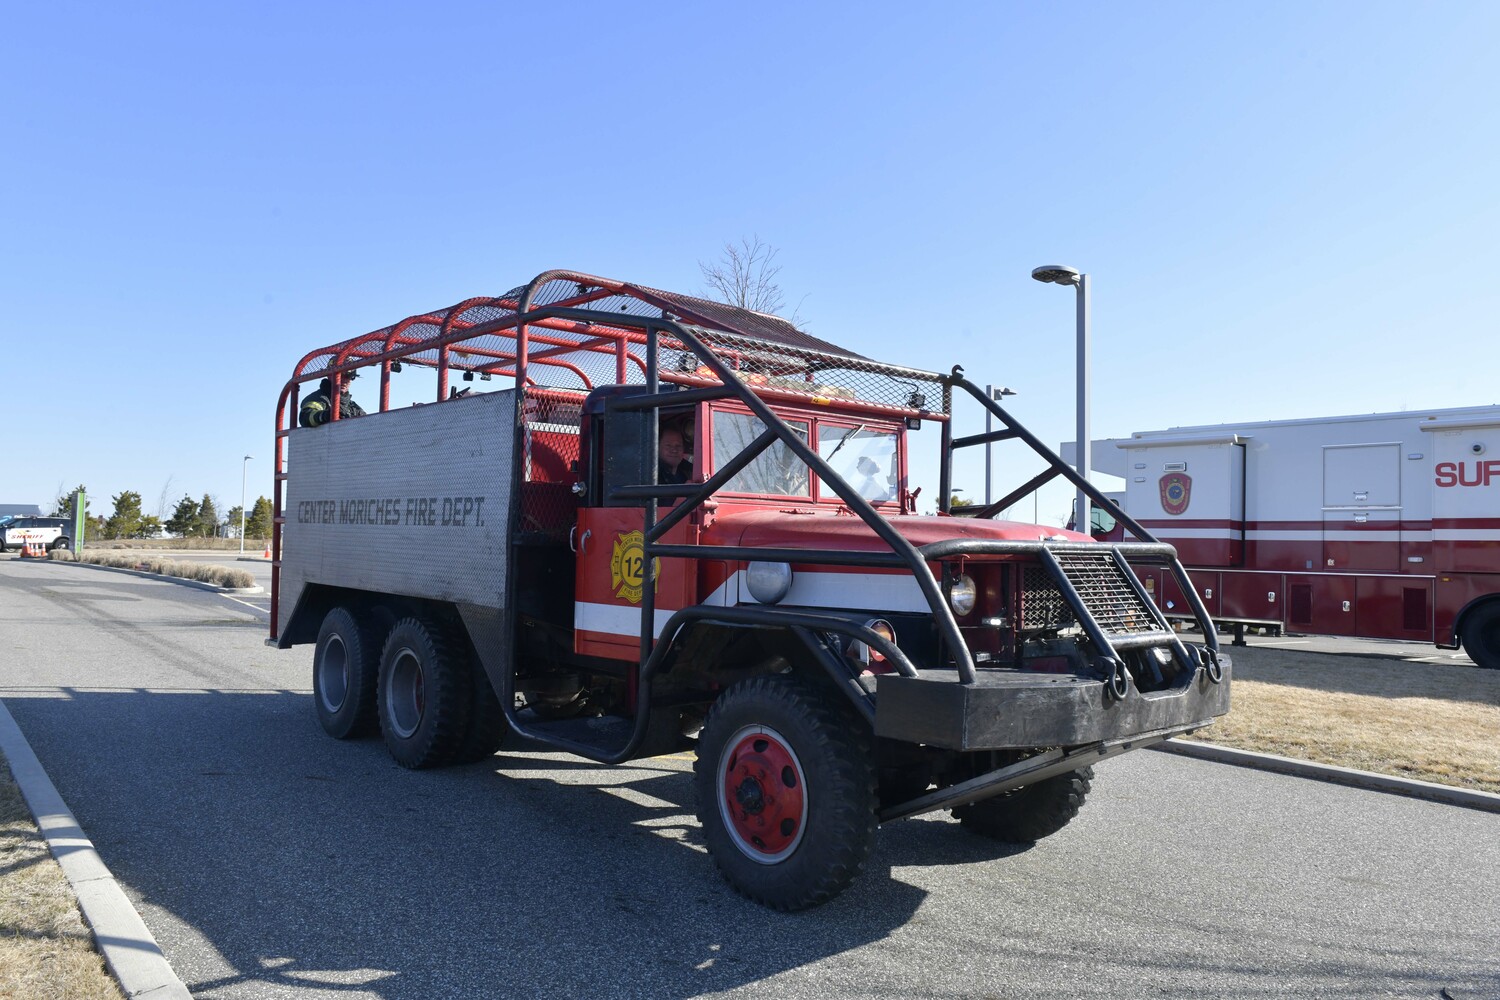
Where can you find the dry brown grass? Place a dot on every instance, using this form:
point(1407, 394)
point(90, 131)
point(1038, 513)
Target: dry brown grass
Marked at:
point(186, 569)
point(46, 952)
point(252, 545)
point(1429, 721)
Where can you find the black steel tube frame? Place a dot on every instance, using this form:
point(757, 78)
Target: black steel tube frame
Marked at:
point(1036, 482)
point(1025, 772)
point(1075, 602)
point(948, 631)
point(700, 493)
point(683, 396)
point(1060, 468)
point(990, 438)
point(904, 553)
point(798, 622)
point(1153, 552)
point(1036, 445)
point(1178, 646)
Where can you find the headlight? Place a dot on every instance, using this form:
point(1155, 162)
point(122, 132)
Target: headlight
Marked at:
point(962, 595)
point(768, 581)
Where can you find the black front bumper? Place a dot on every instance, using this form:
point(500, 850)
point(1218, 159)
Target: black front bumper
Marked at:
point(1016, 709)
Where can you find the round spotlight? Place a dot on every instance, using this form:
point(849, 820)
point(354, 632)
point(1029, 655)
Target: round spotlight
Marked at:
point(962, 595)
point(768, 581)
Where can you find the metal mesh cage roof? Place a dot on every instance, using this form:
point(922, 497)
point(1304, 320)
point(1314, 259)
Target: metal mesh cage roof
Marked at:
point(484, 335)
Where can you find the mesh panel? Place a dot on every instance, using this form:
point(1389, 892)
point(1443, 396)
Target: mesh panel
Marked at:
point(1043, 608)
point(550, 439)
point(814, 375)
point(766, 351)
point(1105, 591)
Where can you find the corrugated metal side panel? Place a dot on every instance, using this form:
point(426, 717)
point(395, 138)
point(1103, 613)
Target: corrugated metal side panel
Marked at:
point(413, 502)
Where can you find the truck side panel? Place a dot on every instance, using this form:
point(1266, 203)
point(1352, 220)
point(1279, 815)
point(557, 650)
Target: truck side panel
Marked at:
point(413, 502)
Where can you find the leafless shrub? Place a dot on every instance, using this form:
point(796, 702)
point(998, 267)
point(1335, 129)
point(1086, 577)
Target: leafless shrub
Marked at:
point(219, 576)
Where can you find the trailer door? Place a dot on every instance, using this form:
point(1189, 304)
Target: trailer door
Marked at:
point(1362, 507)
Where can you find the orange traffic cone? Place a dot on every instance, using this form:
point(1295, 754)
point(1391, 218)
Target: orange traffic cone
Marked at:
point(31, 549)
point(267, 553)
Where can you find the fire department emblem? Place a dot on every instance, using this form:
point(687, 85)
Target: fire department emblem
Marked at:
point(626, 563)
point(1176, 491)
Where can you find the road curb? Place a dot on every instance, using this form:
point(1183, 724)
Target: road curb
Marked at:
point(196, 584)
point(130, 951)
point(1468, 798)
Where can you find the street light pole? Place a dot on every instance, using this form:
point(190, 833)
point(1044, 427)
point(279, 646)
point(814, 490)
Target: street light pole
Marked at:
point(989, 425)
point(245, 465)
point(996, 394)
point(1082, 520)
point(1061, 274)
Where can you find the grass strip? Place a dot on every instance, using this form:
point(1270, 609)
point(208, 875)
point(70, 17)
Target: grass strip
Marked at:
point(1430, 721)
point(46, 952)
point(185, 569)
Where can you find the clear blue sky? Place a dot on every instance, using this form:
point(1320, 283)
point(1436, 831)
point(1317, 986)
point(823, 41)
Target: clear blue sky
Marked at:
point(1287, 209)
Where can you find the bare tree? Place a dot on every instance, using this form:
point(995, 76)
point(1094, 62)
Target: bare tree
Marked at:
point(161, 503)
point(745, 276)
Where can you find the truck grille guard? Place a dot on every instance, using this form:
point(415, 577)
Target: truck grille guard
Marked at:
point(1092, 577)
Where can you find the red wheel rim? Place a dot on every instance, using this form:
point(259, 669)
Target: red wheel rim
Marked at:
point(762, 794)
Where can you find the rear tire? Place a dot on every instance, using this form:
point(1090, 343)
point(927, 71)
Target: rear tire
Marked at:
point(786, 791)
point(346, 662)
point(1028, 814)
point(424, 694)
point(1481, 635)
point(60, 545)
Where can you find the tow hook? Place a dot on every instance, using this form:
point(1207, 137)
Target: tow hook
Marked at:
point(1117, 684)
point(1212, 664)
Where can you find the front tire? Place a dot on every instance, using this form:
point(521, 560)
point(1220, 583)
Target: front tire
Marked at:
point(487, 724)
point(1481, 636)
point(1028, 814)
point(346, 662)
point(786, 791)
point(423, 696)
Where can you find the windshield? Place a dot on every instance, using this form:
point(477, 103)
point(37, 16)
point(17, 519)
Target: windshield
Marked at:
point(775, 471)
point(864, 458)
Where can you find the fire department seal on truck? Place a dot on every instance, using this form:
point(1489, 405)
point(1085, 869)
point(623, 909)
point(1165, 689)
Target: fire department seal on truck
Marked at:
point(1176, 491)
point(625, 565)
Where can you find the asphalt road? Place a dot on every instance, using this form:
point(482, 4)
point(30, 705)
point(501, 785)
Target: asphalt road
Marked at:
point(271, 861)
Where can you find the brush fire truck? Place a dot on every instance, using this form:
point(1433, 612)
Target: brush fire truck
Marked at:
point(520, 561)
point(1385, 525)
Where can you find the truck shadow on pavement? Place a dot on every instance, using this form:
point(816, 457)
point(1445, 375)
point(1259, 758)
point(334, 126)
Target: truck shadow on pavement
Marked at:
point(262, 852)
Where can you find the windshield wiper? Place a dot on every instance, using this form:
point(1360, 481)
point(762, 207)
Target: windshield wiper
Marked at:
point(842, 441)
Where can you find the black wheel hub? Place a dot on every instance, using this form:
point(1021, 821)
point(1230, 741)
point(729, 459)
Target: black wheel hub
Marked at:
point(750, 797)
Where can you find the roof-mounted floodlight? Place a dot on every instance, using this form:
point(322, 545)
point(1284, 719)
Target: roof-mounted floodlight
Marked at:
point(1059, 274)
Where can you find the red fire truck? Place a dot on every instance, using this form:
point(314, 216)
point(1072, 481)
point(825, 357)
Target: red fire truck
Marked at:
point(677, 524)
point(1384, 525)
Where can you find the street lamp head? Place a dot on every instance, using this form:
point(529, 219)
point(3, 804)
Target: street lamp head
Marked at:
point(249, 457)
point(1001, 391)
point(1059, 274)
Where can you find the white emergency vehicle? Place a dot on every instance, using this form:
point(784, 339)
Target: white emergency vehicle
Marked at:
point(50, 531)
point(1383, 525)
